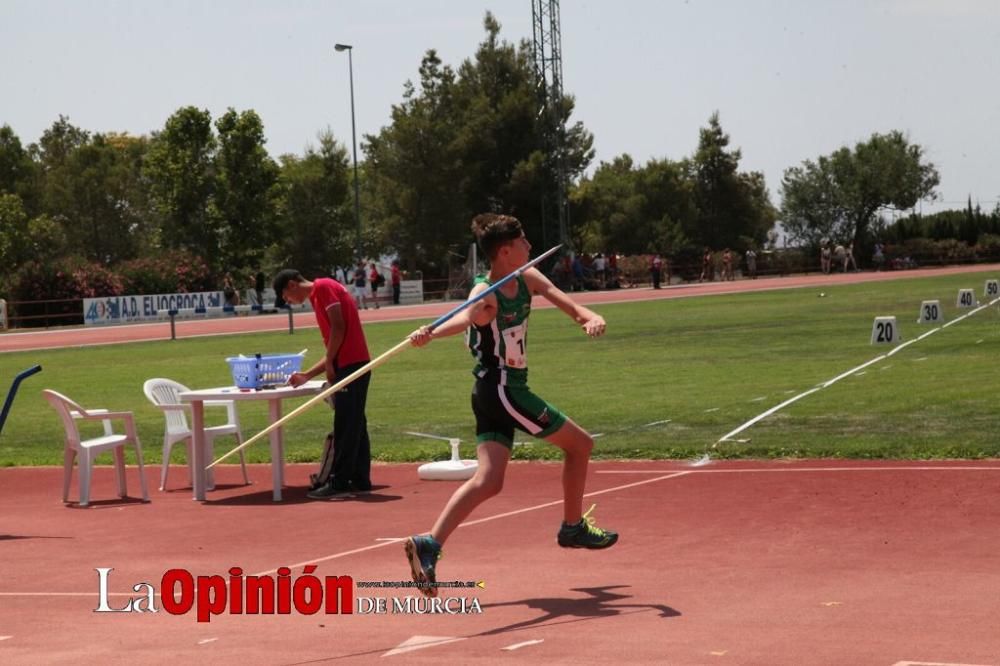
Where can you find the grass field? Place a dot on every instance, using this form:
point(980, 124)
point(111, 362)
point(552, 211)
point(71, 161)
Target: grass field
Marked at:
point(707, 364)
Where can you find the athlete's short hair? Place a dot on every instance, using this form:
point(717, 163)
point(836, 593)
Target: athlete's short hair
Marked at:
point(493, 230)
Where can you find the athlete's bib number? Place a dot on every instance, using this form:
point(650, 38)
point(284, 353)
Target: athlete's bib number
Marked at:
point(514, 345)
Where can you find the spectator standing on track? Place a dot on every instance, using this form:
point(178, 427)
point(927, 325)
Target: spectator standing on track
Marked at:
point(751, 259)
point(613, 270)
point(360, 283)
point(878, 257)
point(375, 279)
point(258, 286)
point(577, 273)
point(656, 270)
point(824, 257)
point(727, 265)
point(396, 281)
point(229, 291)
point(599, 270)
point(501, 401)
point(252, 297)
point(849, 259)
point(707, 271)
point(346, 466)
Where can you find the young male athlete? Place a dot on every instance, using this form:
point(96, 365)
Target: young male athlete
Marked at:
point(346, 465)
point(501, 401)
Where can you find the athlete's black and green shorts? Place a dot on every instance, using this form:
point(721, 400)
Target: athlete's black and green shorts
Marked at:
point(499, 409)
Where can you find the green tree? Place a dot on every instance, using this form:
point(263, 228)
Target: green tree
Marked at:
point(317, 213)
point(180, 172)
point(89, 194)
point(732, 205)
point(415, 172)
point(23, 240)
point(506, 144)
point(464, 143)
point(17, 170)
point(91, 186)
point(839, 196)
point(244, 204)
point(13, 231)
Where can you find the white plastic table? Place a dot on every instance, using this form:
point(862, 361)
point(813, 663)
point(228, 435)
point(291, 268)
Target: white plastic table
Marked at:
point(273, 396)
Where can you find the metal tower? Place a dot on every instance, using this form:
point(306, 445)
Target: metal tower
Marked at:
point(547, 51)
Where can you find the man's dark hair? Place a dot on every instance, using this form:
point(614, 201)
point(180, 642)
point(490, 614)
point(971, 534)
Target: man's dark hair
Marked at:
point(492, 231)
point(281, 281)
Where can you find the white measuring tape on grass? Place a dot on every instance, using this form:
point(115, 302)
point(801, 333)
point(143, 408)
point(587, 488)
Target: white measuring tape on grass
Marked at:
point(885, 320)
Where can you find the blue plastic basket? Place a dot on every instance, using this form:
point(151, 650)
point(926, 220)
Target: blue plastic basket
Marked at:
point(259, 371)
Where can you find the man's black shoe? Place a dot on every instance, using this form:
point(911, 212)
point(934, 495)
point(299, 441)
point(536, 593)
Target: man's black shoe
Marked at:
point(330, 490)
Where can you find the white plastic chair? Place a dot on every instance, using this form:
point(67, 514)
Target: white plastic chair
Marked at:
point(88, 449)
point(164, 393)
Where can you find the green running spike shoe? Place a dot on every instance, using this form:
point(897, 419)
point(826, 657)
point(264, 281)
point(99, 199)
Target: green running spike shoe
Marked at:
point(585, 534)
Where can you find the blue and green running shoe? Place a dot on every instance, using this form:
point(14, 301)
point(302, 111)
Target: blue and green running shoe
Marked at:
point(423, 552)
point(585, 534)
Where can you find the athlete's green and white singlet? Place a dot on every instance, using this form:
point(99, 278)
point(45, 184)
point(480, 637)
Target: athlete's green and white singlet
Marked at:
point(502, 344)
point(501, 400)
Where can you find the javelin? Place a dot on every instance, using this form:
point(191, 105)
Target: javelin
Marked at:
point(371, 365)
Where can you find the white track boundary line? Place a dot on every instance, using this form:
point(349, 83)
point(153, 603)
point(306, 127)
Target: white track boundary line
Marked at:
point(764, 470)
point(850, 372)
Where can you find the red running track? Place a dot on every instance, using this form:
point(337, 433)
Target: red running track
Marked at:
point(737, 563)
point(101, 335)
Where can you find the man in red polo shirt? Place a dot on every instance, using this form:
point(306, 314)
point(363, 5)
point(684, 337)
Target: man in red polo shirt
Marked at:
point(346, 466)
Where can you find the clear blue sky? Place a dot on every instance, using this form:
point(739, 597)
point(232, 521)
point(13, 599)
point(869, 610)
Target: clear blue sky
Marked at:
point(791, 79)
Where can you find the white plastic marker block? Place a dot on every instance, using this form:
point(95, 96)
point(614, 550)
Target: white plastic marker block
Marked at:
point(966, 298)
point(885, 331)
point(930, 312)
point(991, 289)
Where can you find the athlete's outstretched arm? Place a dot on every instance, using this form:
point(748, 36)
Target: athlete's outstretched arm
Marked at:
point(591, 322)
point(480, 314)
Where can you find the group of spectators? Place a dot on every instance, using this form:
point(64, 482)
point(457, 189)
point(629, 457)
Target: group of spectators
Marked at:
point(579, 272)
point(364, 283)
point(832, 257)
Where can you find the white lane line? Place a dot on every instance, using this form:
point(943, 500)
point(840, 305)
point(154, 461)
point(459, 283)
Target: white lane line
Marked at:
point(761, 398)
point(653, 423)
point(518, 646)
point(712, 409)
point(766, 470)
point(935, 663)
point(205, 641)
point(902, 346)
point(766, 414)
point(922, 358)
point(3, 638)
point(850, 372)
point(930, 332)
point(841, 376)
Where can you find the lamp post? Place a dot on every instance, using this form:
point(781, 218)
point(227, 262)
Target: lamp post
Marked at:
point(354, 140)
